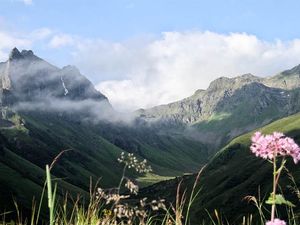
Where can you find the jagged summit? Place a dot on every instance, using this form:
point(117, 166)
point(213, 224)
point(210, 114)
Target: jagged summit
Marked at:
point(230, 99)
point(27, 53)
point(294, 70)
point(26, 77)
point(287, 79)
point(232, 83)
point(248, 76)
point(15, 54)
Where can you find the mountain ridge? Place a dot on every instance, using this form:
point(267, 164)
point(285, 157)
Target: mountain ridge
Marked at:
point(226, 101)
point(24, 72)
point(45, 109)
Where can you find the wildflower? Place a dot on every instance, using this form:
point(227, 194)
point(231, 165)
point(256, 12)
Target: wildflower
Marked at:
point(131, 161)
point(132, 187)
point(270, 147)
point(273, 145)
point(276, 222)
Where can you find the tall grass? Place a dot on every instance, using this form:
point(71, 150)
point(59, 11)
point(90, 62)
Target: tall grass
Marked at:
point(121, 205)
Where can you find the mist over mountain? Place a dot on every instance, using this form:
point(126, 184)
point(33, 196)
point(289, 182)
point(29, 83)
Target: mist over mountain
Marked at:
point(230, 106)
point(28, 83)
point(45, 109)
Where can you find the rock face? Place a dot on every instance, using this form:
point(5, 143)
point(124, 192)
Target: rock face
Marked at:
point(230, 106)
point(202, 104)
point(288, 79)
point(25, 77)
point(205, 103)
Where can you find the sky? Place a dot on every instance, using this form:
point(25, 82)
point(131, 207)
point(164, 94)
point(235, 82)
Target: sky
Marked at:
point(144, 53)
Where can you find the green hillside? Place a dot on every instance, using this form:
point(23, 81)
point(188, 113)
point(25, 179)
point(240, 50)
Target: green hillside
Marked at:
point(233, 174)
point(34, 139)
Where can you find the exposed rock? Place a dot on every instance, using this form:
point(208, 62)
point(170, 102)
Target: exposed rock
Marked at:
point(26, 77)
point(288, 79)
point(230, 106)
point(15, 54)
point(202, 104)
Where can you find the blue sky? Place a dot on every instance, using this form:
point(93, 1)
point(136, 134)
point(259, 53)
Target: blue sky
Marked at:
point(122, 19)
point(168, 48)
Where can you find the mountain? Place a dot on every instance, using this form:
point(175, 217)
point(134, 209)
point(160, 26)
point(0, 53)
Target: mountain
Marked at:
point(201, 105)
point(288, 79)
point(230, 107)
point(45, 109)
point(27, 77)
point(234, 173)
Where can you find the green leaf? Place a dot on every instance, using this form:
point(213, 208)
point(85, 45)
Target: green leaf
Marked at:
point(279, 200)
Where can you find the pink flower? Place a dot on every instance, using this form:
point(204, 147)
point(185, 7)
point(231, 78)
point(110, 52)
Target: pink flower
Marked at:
point(276, 222)
point(273, 145)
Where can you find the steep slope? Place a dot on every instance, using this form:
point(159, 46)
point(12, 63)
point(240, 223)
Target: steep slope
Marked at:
point(235, 173)
point(39, 138)
point(27, 77)
point(238, 173)
point(203, 104)
point(229, 107)
point(288, 79)
point(45, 110)
point(199, 106)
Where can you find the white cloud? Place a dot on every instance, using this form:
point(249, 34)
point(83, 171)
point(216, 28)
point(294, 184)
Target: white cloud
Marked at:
point(146, 73)
point(9, 41)
point(41, 33)
point(61, 40)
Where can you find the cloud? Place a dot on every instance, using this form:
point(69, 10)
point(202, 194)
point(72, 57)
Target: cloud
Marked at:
point(41, 33)
point(144, 73)
point(9, 41)
point(61, 40)
point(148, 71)
point(87, 109)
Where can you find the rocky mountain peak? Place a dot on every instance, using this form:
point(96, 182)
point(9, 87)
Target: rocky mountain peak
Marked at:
point(248, 76)
point(15, 54)
point(29, 78)
point(27, 53)
point(294, 70)
point(224, 83)
point(288, 79)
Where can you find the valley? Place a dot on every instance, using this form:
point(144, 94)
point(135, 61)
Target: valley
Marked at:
point(46, 110)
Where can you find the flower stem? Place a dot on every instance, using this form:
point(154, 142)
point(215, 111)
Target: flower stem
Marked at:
point(122, 178)
point(274, 189)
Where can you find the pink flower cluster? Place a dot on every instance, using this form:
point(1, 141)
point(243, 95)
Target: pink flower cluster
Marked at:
point(276, 222)
point(273, 145)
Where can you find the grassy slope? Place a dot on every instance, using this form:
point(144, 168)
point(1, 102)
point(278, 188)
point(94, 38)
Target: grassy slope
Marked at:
point(235, 173)
point(21, 180)
point(26, 151)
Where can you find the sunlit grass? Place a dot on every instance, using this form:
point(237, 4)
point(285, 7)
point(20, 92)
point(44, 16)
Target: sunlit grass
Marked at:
point(151, 178)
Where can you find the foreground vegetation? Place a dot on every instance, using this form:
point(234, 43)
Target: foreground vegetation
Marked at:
point(36, 138)
point(235, 182)
point(120, 205)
